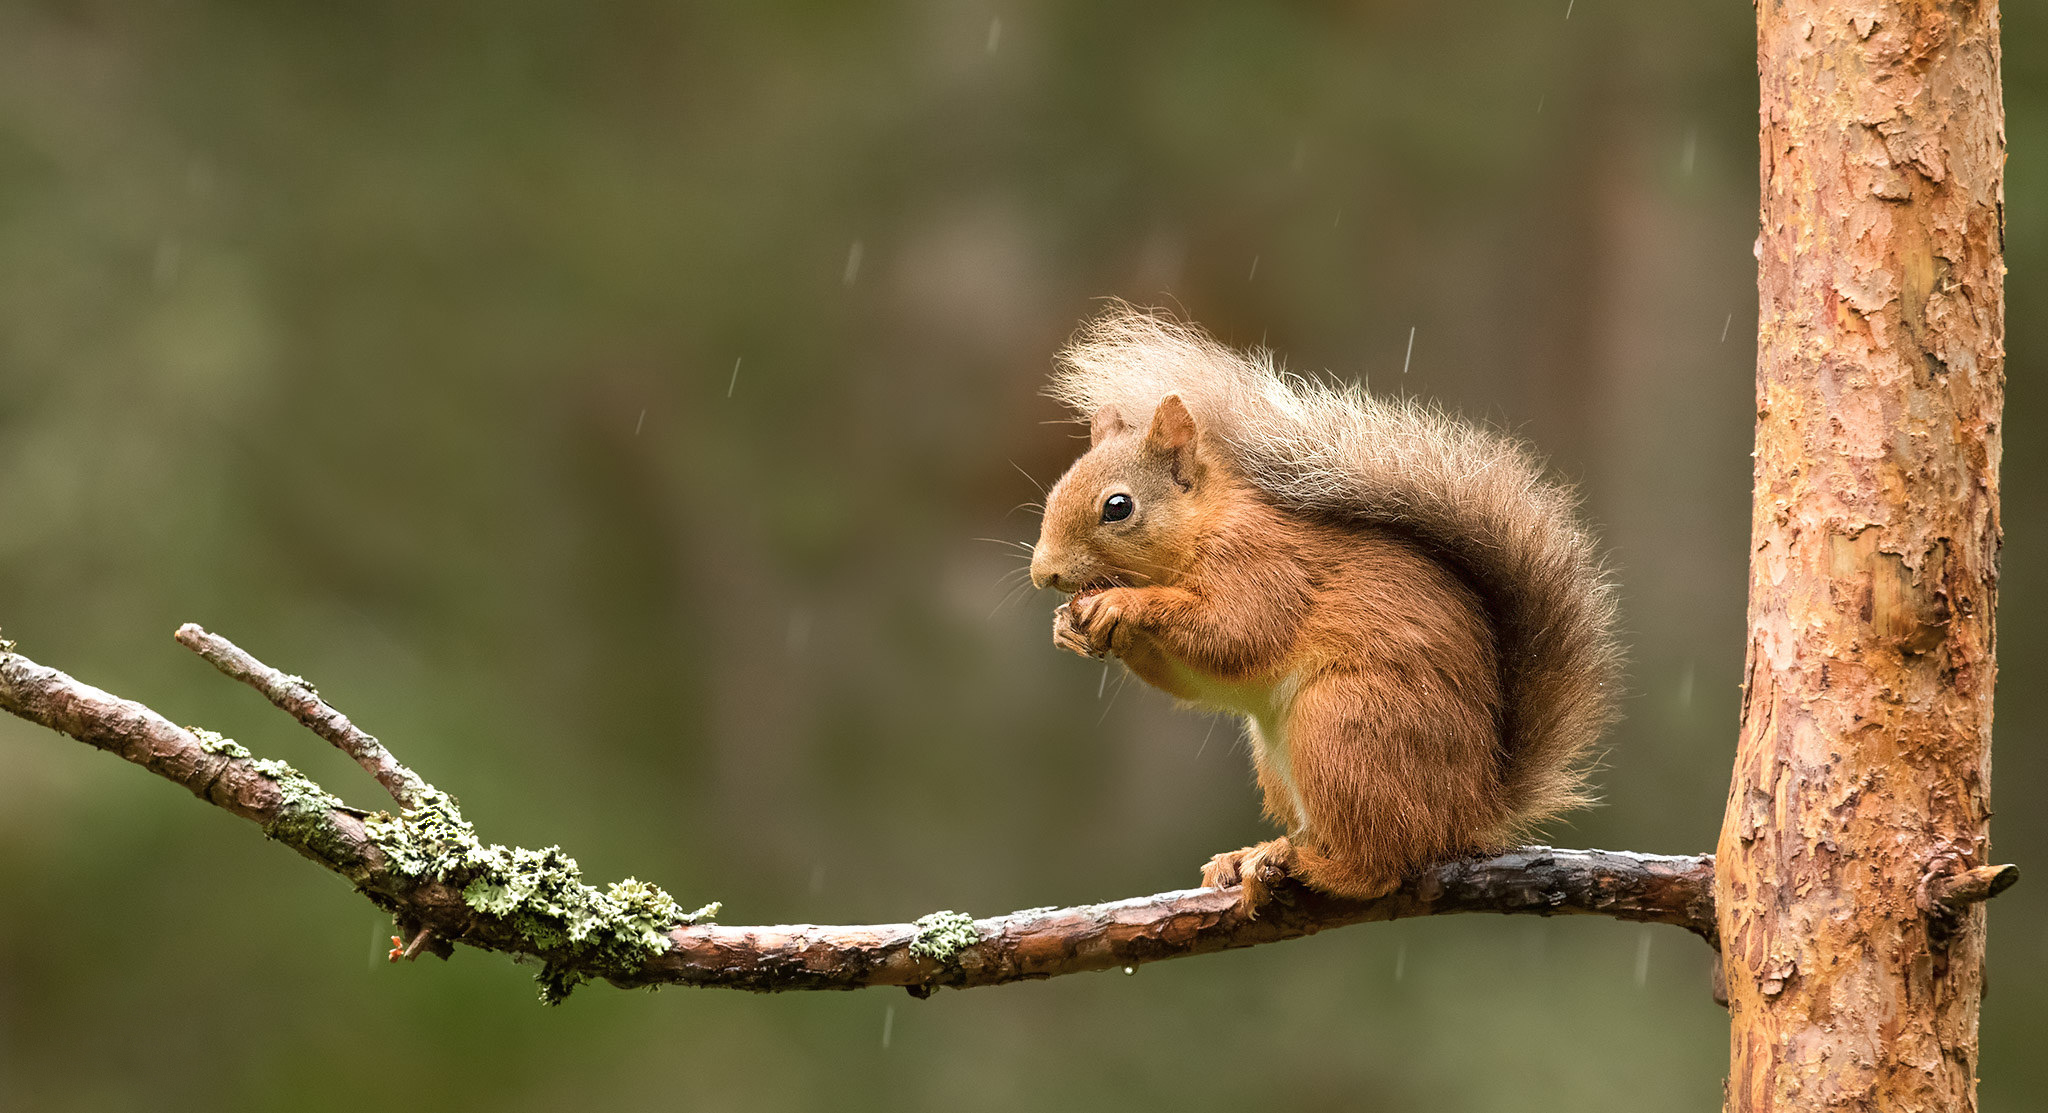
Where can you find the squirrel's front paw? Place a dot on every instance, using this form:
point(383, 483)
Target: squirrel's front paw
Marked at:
point(1095, 618)
point(1067, 635)
point(1256, 868)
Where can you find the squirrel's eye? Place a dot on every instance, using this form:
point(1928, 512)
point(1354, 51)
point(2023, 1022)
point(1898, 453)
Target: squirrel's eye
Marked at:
point(1116, 508)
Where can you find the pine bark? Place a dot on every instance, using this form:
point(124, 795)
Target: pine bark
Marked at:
point(1863, 775)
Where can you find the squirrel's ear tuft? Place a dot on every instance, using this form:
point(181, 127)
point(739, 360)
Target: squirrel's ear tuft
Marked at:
point(1108, 422)
point(1173, 436)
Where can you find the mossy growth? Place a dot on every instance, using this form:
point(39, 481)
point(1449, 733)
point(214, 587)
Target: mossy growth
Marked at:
point(304, 800)
point(941, 936)
point(304, 819)
point(578, 931)
point(214, 742)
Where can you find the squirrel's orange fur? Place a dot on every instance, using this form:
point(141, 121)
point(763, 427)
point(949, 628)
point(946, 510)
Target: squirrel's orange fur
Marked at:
point(1410, 619)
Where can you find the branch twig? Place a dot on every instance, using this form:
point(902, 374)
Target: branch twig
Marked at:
point(400, 949)
point(1949, 889)
point(434, 876)
point(302, 701)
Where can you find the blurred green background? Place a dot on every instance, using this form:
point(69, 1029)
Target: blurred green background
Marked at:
point(605, 403)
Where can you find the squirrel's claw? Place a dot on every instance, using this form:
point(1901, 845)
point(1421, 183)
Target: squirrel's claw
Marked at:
point(1220, 871)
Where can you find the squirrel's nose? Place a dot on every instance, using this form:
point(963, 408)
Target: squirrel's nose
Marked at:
point(1041, 576)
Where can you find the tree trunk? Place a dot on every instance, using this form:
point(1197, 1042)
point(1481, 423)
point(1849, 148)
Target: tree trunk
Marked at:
point(1863, 777)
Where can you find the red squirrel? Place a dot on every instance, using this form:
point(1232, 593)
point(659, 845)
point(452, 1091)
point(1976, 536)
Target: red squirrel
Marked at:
point(1416, 629)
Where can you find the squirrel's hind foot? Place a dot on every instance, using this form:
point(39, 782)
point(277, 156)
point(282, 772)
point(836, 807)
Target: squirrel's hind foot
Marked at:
point(1263, 868)
point(1257, 869)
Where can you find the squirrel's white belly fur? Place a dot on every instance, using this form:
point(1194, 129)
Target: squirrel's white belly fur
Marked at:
point(1267, 707)
point(1269, 741)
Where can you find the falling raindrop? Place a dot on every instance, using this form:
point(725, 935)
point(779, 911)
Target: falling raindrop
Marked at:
point(995, 34)
point(1411, 350)
point(1643, 958)
point(639, 423)
point(888, 1025)
point(1692, 150)
point(1685, 686)
point(1724, 327)
point(853, 254)
point(1401, 960)
point(1255, 269)
point(735, 377)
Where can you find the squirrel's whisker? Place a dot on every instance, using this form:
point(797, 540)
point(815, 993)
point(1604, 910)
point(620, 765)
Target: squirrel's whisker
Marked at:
point(1027, 475)
point(1121, 680)
point(1012, 596)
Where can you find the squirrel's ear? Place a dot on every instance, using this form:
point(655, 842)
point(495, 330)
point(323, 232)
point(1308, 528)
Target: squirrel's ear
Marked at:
point(1107, 423)
point(1173, 436)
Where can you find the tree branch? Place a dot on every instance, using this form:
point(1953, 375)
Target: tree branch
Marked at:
point(1046, 942)
point(444, 886)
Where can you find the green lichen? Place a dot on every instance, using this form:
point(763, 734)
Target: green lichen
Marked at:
point(304, 817)
point(941, 936)
point(539, 894)
point(299, 791)
point(430, 841)
point(214, 742)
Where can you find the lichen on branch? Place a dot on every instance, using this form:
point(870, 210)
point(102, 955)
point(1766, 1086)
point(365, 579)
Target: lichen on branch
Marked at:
point(578, 931)
point(941, 936)
point(425, 865)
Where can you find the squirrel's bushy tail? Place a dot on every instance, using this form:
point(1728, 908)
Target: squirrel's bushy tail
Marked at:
point(1475, 499)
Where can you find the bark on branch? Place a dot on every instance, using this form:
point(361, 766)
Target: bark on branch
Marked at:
point(1043, 943)
point(444, 886)
point(1952, 894)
